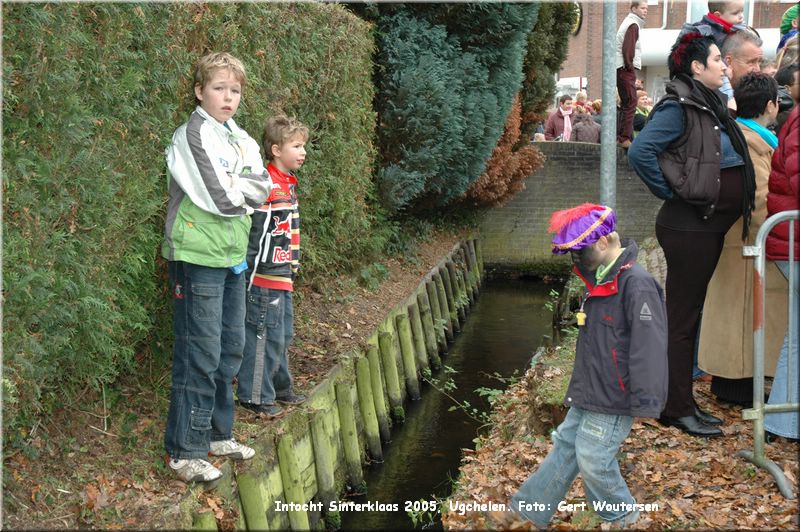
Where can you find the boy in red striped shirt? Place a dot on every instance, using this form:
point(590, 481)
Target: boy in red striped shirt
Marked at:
point(273, 255)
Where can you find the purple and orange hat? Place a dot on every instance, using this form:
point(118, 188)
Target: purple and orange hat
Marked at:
point(580, 226)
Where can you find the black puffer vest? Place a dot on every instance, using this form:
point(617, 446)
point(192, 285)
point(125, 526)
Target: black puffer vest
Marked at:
point(691, 164)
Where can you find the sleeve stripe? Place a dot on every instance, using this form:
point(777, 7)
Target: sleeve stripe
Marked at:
point(206, 168)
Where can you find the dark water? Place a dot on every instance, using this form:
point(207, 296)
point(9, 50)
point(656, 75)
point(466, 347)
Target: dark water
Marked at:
point(501, 334)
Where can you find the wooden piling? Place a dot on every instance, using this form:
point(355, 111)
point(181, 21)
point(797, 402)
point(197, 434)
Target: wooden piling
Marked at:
point(386, 344)
point(407, 352)
point(459, 296)
point(475, 275)
point(323, 460)
point(205, 521)
point(479, 257)
point(367, 407)
point(431, 344)
point(444, 309)
point(462, 280)
point(450, 294)
point(292, 482)
point(436, 314)
point(418, 336)
point(376, 380)
point(350, 445)
point(468, 277)
point(253, 507)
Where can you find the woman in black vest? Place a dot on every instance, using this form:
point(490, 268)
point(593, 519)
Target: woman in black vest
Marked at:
point(692, 154)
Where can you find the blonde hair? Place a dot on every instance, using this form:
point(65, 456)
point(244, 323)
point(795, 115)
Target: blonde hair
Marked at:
point(209, 64)
point(281, 129)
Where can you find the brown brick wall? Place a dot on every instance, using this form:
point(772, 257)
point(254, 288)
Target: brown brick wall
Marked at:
point(515, 237)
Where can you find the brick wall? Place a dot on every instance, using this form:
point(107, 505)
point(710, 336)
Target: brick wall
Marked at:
point(514, 236)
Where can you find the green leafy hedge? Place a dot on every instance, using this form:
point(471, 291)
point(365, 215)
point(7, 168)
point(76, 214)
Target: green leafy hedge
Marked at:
point(92, 94)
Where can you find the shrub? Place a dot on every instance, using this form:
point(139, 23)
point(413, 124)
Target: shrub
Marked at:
point(92, 94)
point(447, 76)
point(507, 168)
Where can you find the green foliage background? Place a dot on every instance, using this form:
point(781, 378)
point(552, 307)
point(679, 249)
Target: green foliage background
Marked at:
point(448, 76)
point(92, 94)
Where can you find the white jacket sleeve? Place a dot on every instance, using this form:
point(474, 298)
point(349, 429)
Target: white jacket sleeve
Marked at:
point(208, 180)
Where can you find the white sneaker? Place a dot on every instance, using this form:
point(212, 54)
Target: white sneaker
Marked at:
point(232, 449)
point(194, 470)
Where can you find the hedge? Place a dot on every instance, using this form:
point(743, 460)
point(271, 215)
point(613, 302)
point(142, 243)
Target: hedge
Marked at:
point(92, 94)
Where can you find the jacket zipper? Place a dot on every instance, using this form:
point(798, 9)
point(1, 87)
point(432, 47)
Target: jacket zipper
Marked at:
point(616, 367)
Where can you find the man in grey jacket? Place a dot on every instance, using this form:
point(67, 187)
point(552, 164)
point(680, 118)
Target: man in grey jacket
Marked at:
point(620, 371)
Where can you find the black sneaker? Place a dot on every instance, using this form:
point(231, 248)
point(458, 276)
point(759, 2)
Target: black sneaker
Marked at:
point(268, 411)
point(291, 399)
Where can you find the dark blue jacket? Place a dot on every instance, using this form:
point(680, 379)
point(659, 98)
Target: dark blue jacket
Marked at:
point(621, 355)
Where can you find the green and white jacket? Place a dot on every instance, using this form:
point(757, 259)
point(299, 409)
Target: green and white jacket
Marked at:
point(216, 179)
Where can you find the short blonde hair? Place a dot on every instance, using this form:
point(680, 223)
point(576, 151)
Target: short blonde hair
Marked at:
point(281, 129)
point(209, 64)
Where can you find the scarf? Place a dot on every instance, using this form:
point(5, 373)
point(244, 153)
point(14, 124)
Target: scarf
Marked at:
point(567, 124)
point(768, 136)
point(720, 110)
point(726, 26)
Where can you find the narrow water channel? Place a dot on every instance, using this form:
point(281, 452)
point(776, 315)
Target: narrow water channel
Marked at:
point(501, 334)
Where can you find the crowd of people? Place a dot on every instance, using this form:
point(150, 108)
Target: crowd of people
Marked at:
point(721, 149)
point(633, 103)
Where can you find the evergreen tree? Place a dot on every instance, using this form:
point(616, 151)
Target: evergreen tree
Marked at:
point(447, 77)
point(507, 168)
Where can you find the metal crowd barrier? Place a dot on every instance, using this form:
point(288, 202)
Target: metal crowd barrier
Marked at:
point(759, 409)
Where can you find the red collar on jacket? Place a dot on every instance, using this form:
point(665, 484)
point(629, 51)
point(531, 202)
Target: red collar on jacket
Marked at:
point(276, 173)
point(608, 288)
point(722, 22)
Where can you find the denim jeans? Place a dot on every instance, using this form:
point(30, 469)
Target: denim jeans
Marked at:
point(208, 322)
point(585, 442)
point(786, 423)
point(269, 329)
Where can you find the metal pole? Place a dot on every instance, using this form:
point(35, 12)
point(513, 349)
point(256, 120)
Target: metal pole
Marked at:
point(608, 133)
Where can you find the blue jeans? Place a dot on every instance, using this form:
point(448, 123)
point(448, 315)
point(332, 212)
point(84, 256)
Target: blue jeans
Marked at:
point(585, 442)
point(786, 423)
point(208, 322)
point(269, 329)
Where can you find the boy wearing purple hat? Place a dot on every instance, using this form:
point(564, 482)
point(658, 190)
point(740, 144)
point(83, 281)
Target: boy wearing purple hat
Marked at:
point(620, 371)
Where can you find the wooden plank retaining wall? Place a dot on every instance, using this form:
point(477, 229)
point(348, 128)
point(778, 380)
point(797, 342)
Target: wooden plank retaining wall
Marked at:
point(316, 454)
